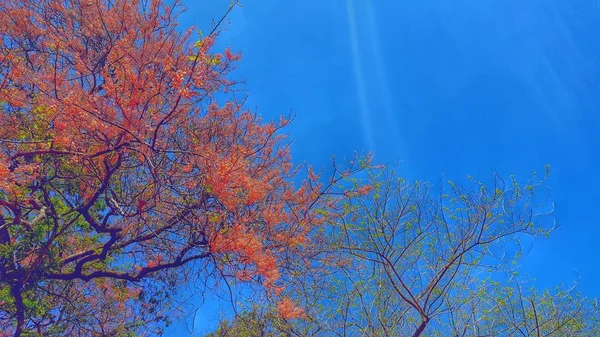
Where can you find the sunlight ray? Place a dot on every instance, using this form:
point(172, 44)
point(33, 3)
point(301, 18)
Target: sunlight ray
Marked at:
point(367, 128)
point(383, 82)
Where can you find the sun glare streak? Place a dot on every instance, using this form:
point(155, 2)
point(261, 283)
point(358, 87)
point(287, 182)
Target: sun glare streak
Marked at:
point(366, 122)
point(383, 81)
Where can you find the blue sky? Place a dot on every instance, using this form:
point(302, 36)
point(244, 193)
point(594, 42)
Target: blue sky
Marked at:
point(456, 87)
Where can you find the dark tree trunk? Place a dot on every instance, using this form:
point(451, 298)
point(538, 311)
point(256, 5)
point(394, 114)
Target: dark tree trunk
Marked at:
point(421, 327)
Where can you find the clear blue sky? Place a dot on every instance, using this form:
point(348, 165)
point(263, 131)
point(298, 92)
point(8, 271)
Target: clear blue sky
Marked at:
point(454, 86)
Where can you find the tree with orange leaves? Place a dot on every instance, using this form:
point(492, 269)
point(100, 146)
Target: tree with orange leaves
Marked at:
point(122, 174)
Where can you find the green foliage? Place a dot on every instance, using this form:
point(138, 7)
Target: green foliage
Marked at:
point(415, 259)
point(253, 323)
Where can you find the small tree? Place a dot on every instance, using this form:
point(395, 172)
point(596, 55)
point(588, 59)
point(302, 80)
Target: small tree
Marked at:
point(512, 309)
point(253, 323)
point(126, 169)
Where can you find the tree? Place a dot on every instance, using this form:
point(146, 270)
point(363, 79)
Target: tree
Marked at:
point(405, 259)
point(127, 167)
point(498, 309)
point(253, 323)
point(511, 309)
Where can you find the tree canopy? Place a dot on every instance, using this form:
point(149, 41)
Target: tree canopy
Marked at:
point(128, 167)
point(431, 259)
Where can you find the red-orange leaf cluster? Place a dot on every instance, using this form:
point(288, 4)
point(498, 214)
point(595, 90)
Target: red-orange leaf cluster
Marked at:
point(123, 159)
point(287, 309)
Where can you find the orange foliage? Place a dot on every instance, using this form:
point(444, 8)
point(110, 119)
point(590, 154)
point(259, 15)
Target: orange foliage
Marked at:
point(119, 163)
point(287, 309)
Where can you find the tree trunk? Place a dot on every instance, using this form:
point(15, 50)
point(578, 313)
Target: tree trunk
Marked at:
point(20, 310)
point(421, 327)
